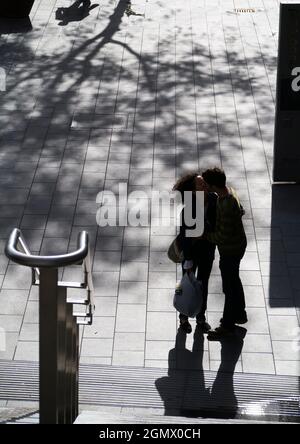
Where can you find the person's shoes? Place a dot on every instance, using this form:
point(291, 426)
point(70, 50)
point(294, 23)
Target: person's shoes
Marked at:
point(186, 326)
point(240, 320)
point(204, 326)
point(219, 333)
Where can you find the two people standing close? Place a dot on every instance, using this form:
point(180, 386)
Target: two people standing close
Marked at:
point(223, 227)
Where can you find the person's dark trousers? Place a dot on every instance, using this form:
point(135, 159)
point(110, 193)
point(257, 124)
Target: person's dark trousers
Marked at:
point(202, 268)
point(234, 306)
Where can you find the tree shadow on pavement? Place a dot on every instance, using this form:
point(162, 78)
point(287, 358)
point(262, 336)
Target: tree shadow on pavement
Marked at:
point(98, 97)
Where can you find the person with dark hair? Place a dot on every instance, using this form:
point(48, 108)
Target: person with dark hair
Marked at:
point(198, 253)
point(230, 238)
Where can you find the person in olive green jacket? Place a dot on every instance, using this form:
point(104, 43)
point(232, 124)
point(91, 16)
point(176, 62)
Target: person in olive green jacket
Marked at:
point(230, 238)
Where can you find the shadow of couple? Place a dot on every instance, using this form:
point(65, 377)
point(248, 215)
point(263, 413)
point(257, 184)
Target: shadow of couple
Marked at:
point(76, 12)
point(184, 391)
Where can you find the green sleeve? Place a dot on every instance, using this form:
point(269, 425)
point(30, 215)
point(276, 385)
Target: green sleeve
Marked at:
point(226, 217)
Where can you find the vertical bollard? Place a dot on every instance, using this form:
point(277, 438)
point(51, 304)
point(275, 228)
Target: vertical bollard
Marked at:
point(52, 306)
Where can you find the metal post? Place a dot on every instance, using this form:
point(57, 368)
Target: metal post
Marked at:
point(59, 330)
point(52, 363)
point(61, 364)
point(75, 363)
point(69, 364)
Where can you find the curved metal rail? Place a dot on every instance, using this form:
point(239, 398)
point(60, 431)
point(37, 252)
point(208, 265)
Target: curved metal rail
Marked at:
point(59, 324)
point(33, 261)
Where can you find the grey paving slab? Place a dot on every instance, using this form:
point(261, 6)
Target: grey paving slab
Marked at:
point(7, 350)
point(281, 307)
point(27, 351)
point(258, 363)
point(287, 368)
point(284, 327)
point(286, 350)
point(105, 306)
point(162, 280)
point(135, 237)
point(101, 348)
point(107, 261)
point(132, 292)
point(215, 302)
point(129, 342)
point(106, 283)
point(161, 326)
point(10, 323)
point(103, 327)
point(32, 312)
point(131, 318)
point(54, 245)
point(29, 332)
point(257, 320)
point(95, 360)
point(158, 349)
point(134, 358)
point(254, 296)
point(137, 115)
point(136, 254)
point(33, 238)
point(261, 343)
point(34, 222)
point(160, 299)
point(134, 271)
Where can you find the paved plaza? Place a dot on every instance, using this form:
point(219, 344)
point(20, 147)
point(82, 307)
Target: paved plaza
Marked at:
point(140, 99)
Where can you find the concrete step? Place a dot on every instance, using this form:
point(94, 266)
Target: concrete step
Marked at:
point(115, 415)
point(20, 415)
point(189, 393)
point(119, 415)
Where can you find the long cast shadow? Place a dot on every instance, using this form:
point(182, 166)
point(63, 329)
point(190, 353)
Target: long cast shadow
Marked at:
point(184, 390)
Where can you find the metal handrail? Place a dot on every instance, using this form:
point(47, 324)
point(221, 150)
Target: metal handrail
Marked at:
point(59, 324)
point(35, 261)
point(80, 256)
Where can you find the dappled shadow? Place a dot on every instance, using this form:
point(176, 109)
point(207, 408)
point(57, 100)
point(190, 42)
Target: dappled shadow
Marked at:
point(101, 95)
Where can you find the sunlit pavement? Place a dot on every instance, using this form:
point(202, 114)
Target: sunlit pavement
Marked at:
point(140, 99)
